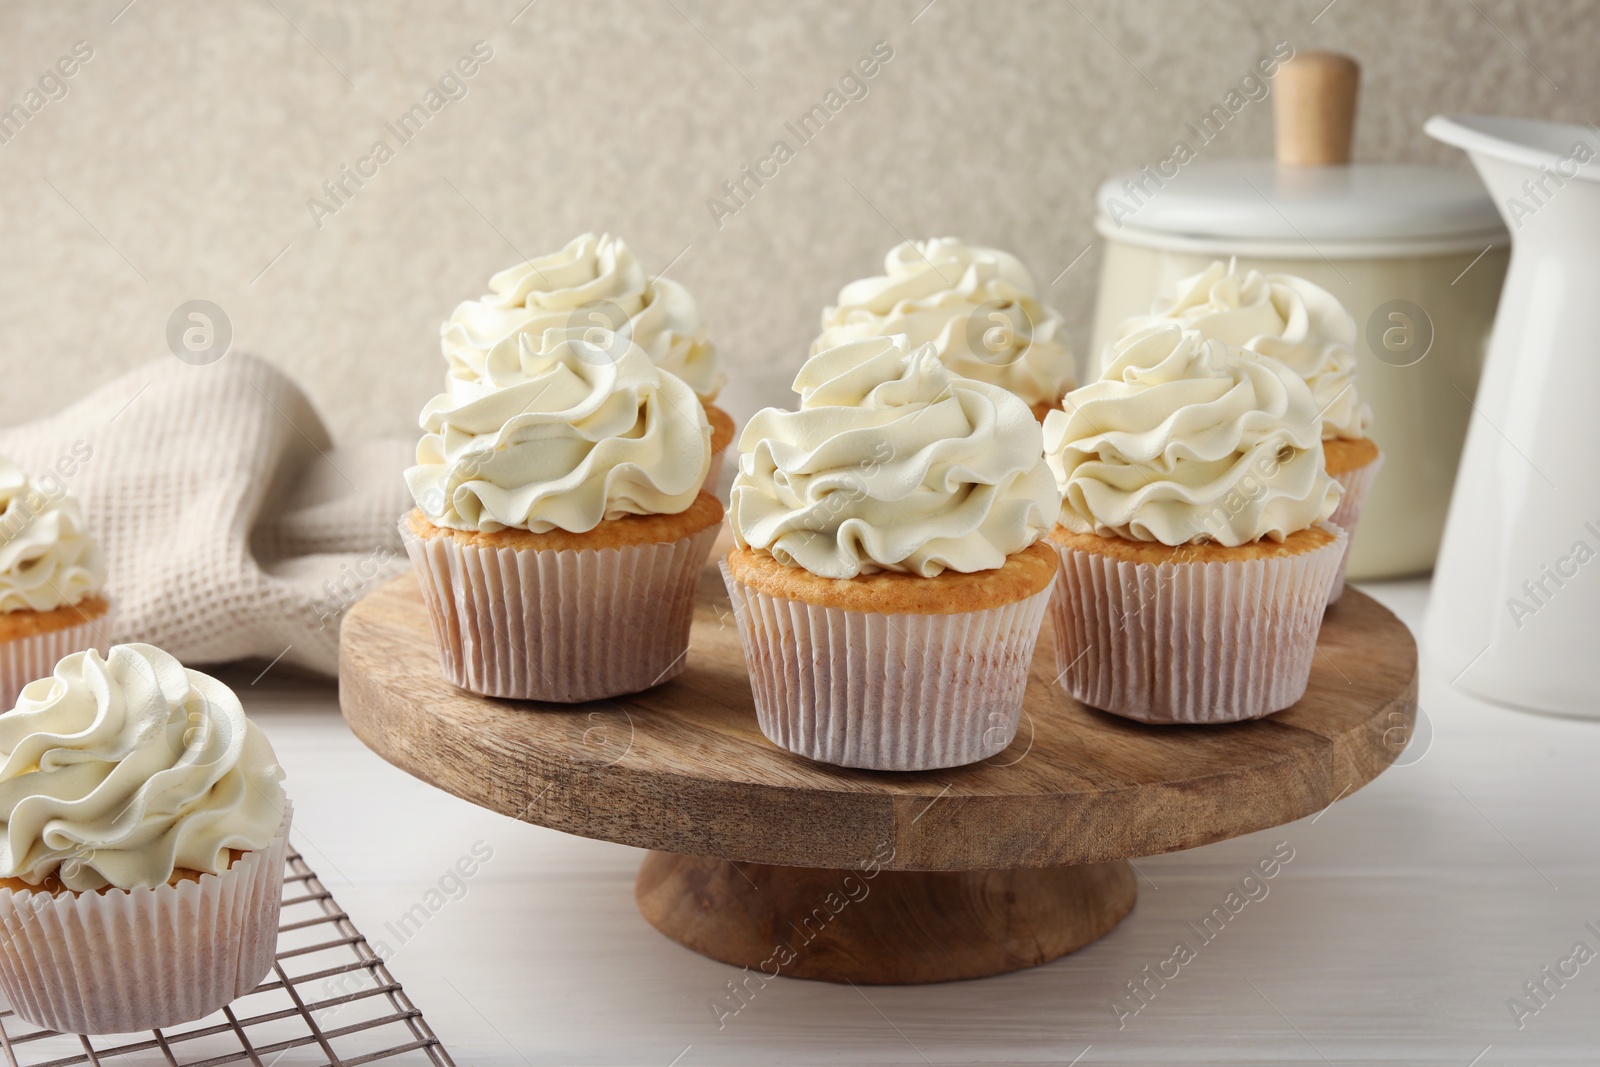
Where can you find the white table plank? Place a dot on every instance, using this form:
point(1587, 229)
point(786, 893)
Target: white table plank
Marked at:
point(1410, 913)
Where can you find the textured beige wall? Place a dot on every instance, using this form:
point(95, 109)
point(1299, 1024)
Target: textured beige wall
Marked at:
point(180, 162)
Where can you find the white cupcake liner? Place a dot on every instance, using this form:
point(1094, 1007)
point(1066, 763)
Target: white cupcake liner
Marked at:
point(904, 692)
point(562, 626)
point(29, 658)
point(129, 960)
point(1190, 642)
point(1357, 483)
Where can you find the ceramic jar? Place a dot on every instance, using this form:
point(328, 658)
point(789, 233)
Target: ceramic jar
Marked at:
point(1416, 253)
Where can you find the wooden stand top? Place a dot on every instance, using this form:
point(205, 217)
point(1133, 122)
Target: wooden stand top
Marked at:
point(684, 768)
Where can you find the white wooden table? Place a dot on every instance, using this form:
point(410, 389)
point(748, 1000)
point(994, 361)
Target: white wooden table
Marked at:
point(1410, 914)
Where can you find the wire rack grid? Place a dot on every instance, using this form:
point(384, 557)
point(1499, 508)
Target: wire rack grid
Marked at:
point(329, 1000)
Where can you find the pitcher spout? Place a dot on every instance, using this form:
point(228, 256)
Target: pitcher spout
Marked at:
point(1529, 165)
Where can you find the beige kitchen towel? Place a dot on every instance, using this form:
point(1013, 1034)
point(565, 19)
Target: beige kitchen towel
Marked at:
point(232, 526)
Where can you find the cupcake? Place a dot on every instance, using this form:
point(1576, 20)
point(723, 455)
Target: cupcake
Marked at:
point(1306, 328)
point(51, 575)
point(592, 283)
point(888, 578)
point(141, 865)
point(978, 308)
point(560, 524)
point(1196, 559)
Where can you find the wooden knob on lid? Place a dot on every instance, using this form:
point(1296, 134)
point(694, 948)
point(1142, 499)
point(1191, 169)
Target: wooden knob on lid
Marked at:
point(1315, 108)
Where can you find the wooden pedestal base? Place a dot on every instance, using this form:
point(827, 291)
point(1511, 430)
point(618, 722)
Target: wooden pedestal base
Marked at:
point(978, 870)
point(881, 927)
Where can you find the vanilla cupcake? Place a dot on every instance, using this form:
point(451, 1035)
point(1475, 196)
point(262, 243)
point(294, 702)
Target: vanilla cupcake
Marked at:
point(145, 830)
point(51, 576)
point(1196, 559)
point(1306, 328)
point(979, 309)
point(560, 524)
point(592, 283)
point(888, 580)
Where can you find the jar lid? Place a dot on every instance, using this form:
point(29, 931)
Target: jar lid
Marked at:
point(1260, 200)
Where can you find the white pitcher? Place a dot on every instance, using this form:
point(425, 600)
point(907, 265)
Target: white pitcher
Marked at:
point(1515, 611)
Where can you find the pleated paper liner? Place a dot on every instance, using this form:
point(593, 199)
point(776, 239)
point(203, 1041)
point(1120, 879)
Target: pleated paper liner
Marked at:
point(125, 960)
point(1357, 483)
point(27, 659)
point(904, 692)
point(561, 626)
point(1191, 642)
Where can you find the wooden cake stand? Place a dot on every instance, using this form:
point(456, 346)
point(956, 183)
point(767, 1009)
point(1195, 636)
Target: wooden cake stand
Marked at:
point(765, 860)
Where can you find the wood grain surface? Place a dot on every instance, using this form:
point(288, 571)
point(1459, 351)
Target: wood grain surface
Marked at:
point(878, 927)
point(1314, 108)
point(683, 767)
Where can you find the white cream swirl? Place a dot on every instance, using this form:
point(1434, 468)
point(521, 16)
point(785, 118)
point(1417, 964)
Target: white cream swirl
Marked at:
point(1279, 315)
point(117, 771)
point(592, 282)
point(977, 306)
point(892, 463)
point(561, 432)
point(1184, 441)
point(47, 559)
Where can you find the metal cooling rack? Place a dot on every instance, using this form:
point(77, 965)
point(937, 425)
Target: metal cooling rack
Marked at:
point(329, 1001)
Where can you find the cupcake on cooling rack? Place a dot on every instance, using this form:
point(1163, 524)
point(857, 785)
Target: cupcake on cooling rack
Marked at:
point(560, 524)
point(592, 283)
point(51, 575)
point(1196, 559)
point(887, 581)
point(1308, 330)
point(979, 309)
point(145, 829)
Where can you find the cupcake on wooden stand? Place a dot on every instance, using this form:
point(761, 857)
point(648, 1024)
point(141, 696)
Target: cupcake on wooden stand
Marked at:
point(1307, 329)
point(1196, 555)
point(888, 581)
point(560, 524)
point(51, 576)
point(595, 282)
point(979, 309)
